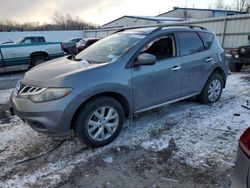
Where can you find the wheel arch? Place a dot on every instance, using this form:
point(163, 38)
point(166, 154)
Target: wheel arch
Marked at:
point(117, 96)
point(219, 71)
point(38, 53)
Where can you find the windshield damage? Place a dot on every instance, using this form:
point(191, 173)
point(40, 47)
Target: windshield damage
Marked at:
point(110, 48)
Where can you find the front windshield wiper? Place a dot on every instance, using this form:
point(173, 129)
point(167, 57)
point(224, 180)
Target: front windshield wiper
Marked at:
point(78, 59)
point(73, 57)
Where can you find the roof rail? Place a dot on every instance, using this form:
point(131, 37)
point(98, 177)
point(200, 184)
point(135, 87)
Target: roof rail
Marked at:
point(183, 25)
point(159, 27)
point(137, 27)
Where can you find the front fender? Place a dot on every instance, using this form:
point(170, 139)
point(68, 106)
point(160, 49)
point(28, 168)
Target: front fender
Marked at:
point(97, 90)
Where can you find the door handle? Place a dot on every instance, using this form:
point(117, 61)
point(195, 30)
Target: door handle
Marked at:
point(175, 68)
point(209, 59)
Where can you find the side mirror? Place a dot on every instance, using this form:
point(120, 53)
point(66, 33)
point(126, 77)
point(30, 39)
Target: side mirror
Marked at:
point(145, 59)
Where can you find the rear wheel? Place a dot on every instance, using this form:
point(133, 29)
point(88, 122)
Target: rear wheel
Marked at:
point(235, 67)
point(37, 60)
point(99, 122)
point(212, 89)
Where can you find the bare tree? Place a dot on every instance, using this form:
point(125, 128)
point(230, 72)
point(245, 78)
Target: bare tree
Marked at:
point(219, 4)
point(210, 6)
point(60, 22)
point(68, 22)
point(242, 5)
point(186, 15)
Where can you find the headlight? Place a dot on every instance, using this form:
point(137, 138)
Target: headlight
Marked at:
point(50, 94)
point(242, 50)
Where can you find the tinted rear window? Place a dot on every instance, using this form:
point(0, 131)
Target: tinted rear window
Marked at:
point(189, 43)
point(208, 39)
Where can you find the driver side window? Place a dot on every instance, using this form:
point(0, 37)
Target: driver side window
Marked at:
point(162, 48)
point(27, 41)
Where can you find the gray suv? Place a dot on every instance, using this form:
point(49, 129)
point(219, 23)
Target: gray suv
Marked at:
point(131, 71)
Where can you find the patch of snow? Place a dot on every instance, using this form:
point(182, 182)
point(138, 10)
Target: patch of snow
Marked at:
point(205, 136)
point(108, 159)
point(5, 95)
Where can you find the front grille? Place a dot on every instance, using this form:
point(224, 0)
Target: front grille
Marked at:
point(23, 89)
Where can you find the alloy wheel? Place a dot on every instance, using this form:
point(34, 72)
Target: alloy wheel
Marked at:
point(214, 90)
point(102, 123)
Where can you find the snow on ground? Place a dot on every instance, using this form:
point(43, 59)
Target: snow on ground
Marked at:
point(5, 95)
point(205, 136)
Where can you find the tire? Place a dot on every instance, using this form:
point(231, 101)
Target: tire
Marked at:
point(95, 131)
point(212, 89)
point(66, 51)
point(235, 67)
point(37, 60)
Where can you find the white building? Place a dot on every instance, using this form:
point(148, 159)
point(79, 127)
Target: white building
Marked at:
point(133, 21)
point(197, 14)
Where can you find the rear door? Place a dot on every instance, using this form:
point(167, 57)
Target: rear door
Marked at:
point(159, 83)
point(194, 58)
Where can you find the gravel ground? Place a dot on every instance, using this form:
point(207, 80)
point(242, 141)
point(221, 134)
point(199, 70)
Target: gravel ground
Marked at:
point(185, 144)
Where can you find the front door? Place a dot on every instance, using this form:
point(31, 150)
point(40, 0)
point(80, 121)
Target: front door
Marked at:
point(159, 83)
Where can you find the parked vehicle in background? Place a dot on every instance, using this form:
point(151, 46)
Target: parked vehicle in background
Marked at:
point(241, 175)
point(30, 40)
point(29, 51)
point(240, 57)
point(27, 40)
point(69, 46)
point(84, 43)
point(129, 72)
point(7, 42)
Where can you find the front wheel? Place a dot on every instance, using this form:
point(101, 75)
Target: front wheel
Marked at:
point(235, 67)
point(99, 122)
point(212, 89)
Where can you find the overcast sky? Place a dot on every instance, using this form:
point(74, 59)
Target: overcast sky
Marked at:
point(95, 11)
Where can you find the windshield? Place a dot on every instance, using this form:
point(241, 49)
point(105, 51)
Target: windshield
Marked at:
point(19, 41)
point(110, 48)
point(81, 42)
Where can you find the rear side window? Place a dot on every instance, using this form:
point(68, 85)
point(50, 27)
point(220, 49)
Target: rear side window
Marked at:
point(208, 39)
point(41, 39)
point(34, 40)
point(189, 43)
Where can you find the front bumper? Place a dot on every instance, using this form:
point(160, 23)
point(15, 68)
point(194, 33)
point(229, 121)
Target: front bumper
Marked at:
point(240, 60)
point(48, 117)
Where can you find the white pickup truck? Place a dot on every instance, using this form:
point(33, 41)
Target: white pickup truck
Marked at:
point(29, 51)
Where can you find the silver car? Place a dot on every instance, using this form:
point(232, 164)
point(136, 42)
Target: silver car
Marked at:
point(129, 72)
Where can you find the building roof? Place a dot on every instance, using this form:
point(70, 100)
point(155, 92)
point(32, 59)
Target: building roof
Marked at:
point(151, 18)
point(213, 10)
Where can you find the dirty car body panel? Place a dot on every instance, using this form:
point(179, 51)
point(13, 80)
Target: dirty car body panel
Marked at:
point(142, 87)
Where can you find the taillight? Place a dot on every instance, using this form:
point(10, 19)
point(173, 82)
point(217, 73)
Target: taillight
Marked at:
point(245, 142)
point(62, 47)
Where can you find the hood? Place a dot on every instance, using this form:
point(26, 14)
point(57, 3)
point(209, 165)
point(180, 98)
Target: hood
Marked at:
point(56, 70)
